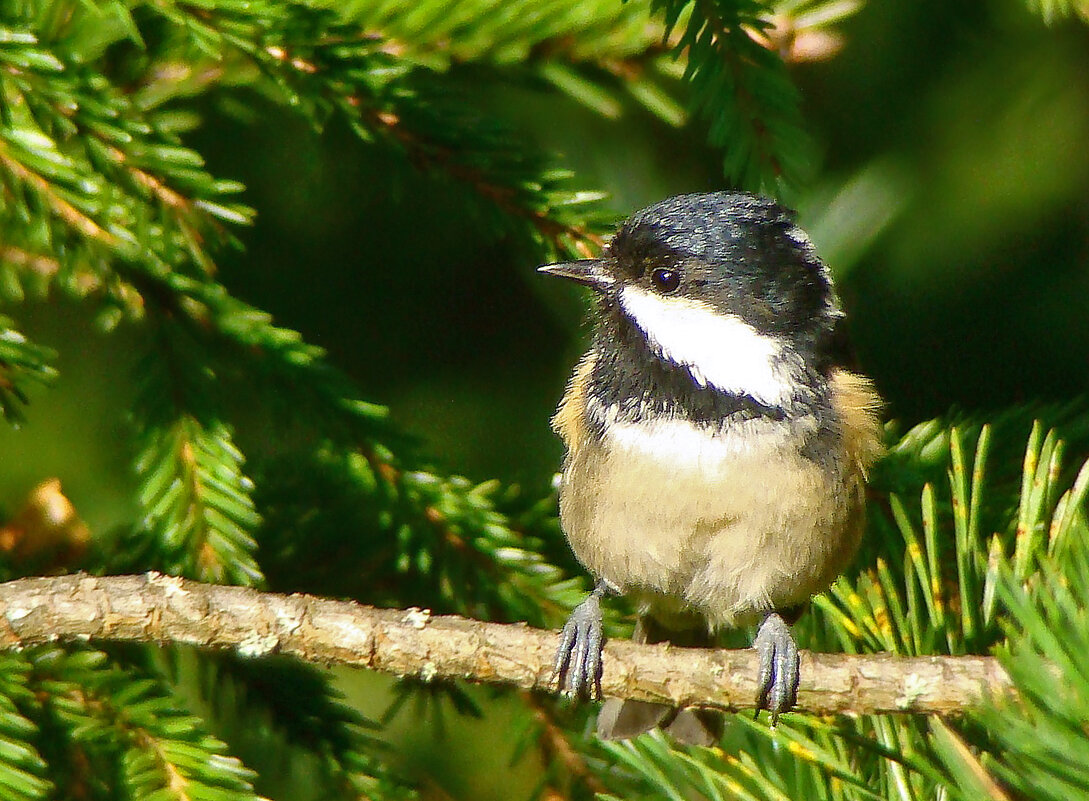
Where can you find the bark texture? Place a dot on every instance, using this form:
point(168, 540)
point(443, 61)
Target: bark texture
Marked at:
point(164, 609)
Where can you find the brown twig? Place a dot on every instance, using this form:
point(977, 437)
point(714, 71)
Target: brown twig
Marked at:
point(431, 155)
point(163, 609)
point(556, 745)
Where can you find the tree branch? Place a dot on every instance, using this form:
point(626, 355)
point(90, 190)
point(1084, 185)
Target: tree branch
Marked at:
point(164, 609)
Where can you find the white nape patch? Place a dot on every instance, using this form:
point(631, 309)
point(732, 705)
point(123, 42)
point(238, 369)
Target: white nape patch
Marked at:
point(718, 349)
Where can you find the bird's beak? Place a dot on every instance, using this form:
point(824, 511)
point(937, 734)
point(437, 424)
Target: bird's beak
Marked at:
point(591, 272)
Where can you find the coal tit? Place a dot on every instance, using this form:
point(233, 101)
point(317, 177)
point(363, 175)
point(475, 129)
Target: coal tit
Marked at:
point(717, 445)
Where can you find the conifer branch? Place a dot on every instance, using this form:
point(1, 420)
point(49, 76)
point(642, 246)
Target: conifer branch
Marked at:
point(21, 362)
point(508, 198)
point(505, 556)
point(165, 609)
point(72, 216)
point(727, 38)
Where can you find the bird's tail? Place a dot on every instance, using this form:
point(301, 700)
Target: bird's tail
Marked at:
point(621, 719)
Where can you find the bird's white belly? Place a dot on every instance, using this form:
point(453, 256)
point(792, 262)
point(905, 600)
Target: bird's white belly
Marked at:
point(727, 525)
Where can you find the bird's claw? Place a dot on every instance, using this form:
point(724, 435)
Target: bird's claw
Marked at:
point(779, 667)
point(577, 668)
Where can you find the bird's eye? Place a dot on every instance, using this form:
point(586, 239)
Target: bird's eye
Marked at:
point(666, 280)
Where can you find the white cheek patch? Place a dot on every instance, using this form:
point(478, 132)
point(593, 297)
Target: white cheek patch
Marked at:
point(719, 350)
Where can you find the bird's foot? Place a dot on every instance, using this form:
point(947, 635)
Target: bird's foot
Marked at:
point(577, 668)
point(779, 663)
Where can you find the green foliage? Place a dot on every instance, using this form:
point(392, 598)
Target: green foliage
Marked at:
point(443, 542)
point(270, 709)
point(23, 772)
point(21, 363)
point(106, 202)
point(110, 731)
point(1041, 734)
point(197, 502)
point(743, 91)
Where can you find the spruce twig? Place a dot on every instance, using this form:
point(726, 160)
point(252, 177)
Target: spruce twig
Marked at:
point(166, 609)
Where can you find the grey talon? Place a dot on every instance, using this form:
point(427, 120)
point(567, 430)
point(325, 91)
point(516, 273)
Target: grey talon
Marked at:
point(577, 667)
point(778, 675)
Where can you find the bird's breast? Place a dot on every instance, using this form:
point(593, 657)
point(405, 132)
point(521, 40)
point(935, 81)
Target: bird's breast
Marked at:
point(725, 520)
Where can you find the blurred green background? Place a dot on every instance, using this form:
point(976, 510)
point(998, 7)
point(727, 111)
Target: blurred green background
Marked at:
point(951, 198)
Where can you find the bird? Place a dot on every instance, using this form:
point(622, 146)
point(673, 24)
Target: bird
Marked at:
point(717, 443)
